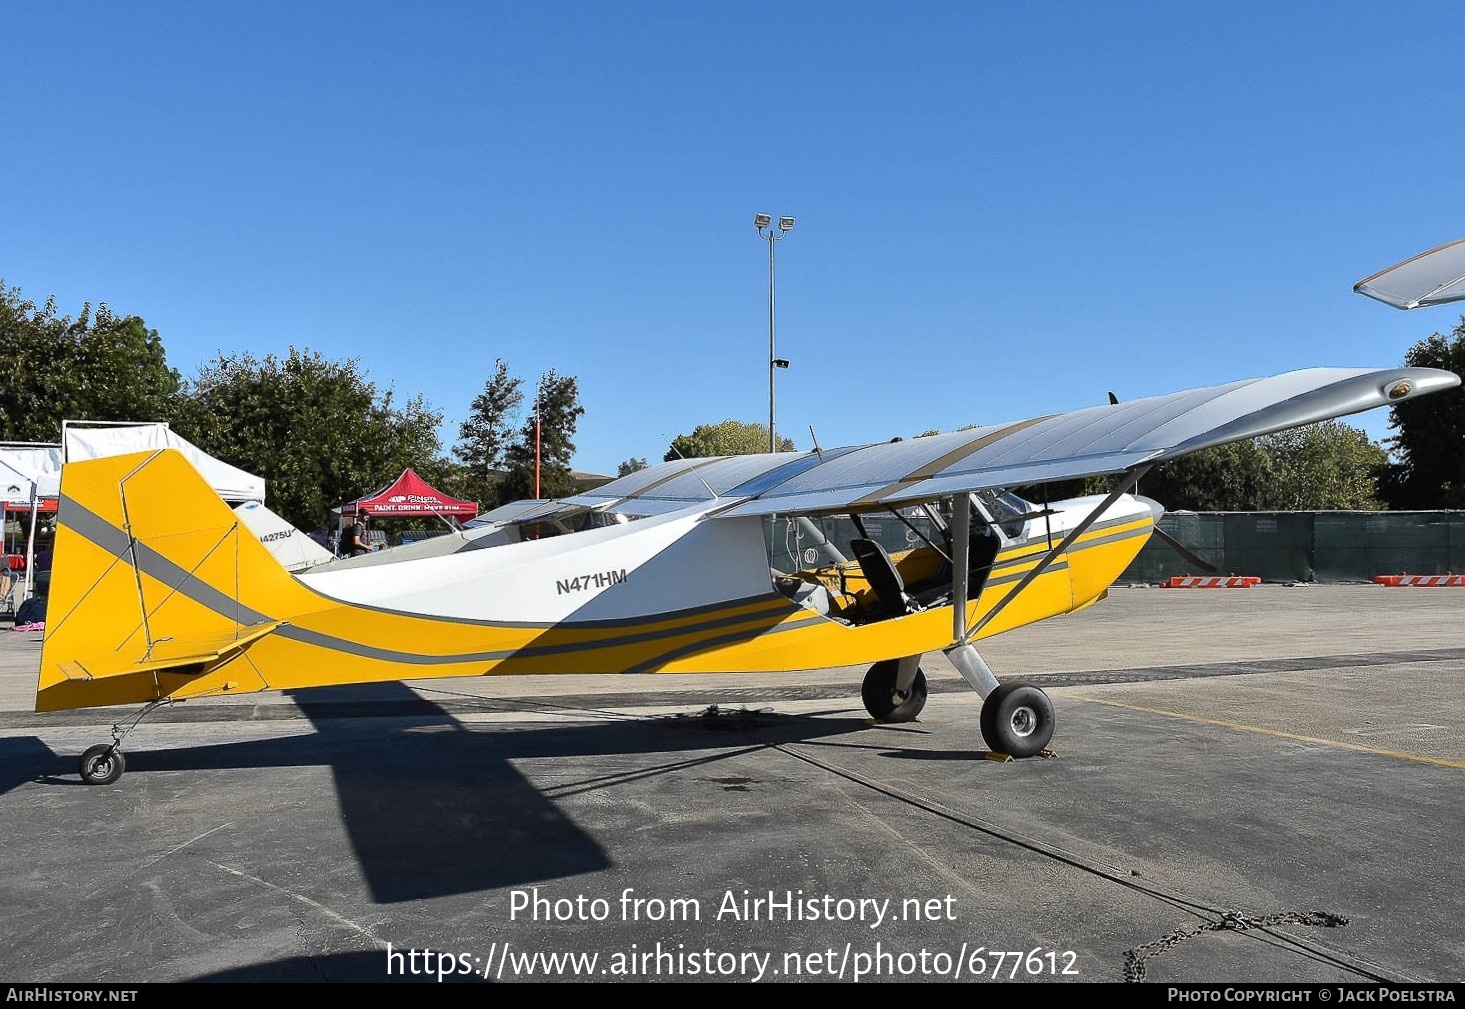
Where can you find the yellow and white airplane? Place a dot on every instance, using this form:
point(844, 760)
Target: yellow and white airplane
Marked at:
point(873, 554)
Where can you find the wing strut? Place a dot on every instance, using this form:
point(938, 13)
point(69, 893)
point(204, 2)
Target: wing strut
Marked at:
point(962, 655)
point(961, 573)
point(923, 537)
point(1128, 480)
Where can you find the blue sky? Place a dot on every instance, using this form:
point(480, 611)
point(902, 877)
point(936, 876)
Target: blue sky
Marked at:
point(1004, 209)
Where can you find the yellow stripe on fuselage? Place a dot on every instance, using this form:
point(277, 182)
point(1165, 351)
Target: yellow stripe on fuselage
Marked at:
point(1089, 565)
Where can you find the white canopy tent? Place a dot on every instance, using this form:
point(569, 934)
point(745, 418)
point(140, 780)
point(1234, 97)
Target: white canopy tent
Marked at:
point(30, 473)
point(96, 439)
point(29, 479)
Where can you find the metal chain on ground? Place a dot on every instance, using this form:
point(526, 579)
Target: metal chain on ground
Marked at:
point(1231, 921)
point(736, 719)
point(1134, 969)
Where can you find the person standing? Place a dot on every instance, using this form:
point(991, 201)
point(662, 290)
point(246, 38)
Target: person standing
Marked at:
point(354, 542)
point(7, 583)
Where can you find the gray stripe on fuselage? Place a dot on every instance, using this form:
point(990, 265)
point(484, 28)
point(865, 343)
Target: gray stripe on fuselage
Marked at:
point(108, 537)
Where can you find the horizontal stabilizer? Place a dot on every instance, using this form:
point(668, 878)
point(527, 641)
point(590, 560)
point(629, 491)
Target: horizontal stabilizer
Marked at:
point(196, 653)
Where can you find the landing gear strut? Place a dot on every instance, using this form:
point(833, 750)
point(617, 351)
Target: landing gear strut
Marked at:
point(1017, 718)
point(104, 763)
point(884, 699)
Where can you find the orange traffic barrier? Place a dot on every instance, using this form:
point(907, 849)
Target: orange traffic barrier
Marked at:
point(1426, 581)
point(1211, 582)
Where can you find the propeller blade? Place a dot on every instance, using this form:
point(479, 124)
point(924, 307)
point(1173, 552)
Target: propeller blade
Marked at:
point(1180, 549)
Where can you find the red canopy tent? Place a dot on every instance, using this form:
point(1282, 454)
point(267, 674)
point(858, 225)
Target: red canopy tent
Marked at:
point(410, 496)
point(44, 505)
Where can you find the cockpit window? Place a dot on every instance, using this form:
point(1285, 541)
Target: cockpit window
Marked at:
point(599, 520)
point(1006, 509)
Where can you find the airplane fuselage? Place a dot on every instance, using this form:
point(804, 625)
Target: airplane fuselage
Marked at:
point(682, 593)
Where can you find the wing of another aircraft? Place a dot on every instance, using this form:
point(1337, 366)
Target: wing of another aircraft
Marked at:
point(1436, 277)
point(1094, 441)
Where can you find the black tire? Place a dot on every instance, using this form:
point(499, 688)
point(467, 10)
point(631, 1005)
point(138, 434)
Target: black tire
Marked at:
point(1018, 720)
point(102, 764)
point(879, 686)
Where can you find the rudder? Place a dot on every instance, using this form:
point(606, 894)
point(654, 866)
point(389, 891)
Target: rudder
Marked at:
point(156, 587)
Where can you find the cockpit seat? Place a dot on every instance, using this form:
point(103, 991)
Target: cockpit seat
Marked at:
point(885, 581)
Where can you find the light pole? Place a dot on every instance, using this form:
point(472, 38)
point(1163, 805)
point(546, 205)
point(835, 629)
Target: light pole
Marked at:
point(764, 223)
point(538, 394)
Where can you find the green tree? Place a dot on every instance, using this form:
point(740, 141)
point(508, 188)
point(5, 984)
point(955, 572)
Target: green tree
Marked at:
point(318, 431)
point(98, 366)
point(730, 437)
point(487, 433)
point(552, 427)
point(1322, 467)
point(1429, 439)
point(1226, 478)
point(1315, 468)
point(630, 466)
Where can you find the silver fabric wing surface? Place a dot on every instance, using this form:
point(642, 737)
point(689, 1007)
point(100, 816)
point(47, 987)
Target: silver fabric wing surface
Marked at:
point(1094, 441)
point(1099, 440)
point(1436, 277)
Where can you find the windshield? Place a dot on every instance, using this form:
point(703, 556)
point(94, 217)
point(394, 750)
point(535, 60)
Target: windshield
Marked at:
point(1007, 510)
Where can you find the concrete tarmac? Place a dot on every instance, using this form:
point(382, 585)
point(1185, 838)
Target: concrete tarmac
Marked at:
point(1268, 779)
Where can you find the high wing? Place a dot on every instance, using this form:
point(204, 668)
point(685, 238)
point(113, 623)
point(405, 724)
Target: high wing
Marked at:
point(1436, 277)
point(1088, 442)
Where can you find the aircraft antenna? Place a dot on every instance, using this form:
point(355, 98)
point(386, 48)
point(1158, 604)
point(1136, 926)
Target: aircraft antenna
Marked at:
point(815, 439)
point(693, 470)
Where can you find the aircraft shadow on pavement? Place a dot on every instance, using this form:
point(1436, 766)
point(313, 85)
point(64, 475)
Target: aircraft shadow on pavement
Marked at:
point(434, 807)
point(27, 758)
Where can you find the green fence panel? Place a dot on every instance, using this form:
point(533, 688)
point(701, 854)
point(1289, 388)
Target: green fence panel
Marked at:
point(1202, 534)
point(1274, 546)
point(1353, 546)
point(1307, 546)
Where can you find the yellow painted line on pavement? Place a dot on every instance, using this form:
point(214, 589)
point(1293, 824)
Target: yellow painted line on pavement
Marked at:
point(1277, 732)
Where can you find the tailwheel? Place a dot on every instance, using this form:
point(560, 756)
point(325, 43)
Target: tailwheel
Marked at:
point(102, 764)
point(880, 696)
point(1017, 719)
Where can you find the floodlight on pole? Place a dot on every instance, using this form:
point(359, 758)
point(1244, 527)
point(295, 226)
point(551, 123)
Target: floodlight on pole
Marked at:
point(764, 224)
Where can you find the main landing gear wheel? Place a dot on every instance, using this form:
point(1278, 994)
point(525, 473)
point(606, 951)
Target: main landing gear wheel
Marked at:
point(1017, 719)
point(102, 764)
point(878, 693)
